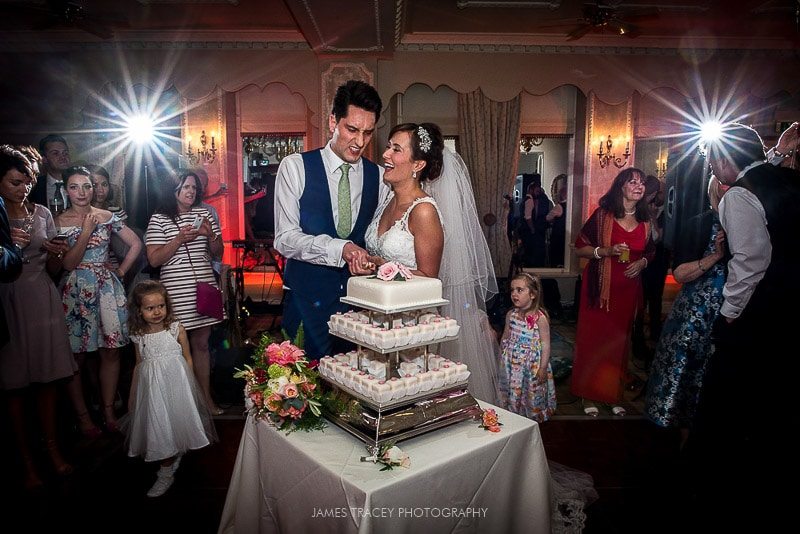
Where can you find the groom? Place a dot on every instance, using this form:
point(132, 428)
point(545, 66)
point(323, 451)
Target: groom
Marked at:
point(324, 201)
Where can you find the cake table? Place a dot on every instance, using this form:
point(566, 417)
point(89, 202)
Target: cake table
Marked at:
point(462, 479)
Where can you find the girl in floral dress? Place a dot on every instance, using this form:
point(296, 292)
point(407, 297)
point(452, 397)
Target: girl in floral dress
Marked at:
point(526, 380)
point(93, 296)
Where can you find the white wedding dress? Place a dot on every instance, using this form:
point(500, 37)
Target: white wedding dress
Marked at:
point(466, 273)
point(397, 243)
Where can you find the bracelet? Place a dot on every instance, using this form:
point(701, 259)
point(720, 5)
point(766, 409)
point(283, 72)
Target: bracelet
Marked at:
point(781, 154)
point(700, 266)
point(596, 253)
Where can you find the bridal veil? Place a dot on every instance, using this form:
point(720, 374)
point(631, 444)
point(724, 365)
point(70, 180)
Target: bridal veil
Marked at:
point(467, 276)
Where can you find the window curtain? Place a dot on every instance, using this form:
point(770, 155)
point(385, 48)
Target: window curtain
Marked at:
point(488, 133)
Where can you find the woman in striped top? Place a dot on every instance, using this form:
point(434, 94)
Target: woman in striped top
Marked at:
point(184, 254)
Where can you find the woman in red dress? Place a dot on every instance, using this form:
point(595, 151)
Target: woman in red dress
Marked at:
point(615, 241)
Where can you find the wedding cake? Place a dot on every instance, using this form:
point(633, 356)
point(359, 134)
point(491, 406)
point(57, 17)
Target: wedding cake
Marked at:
point(419, 291)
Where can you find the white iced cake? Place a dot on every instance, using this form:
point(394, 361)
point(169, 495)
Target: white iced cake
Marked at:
point(417, 291)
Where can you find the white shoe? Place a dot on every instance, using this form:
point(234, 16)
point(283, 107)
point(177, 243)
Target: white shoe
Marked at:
point(163, 483)
point(176, 464)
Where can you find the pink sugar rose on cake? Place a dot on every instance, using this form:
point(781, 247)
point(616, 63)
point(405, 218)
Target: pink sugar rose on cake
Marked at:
point(393, 271)
point(388, 271)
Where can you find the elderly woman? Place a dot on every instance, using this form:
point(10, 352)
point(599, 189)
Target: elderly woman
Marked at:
point(685, 346)
point(182, 238)
point(93, 295)
point(617, 243)
point(38, 354)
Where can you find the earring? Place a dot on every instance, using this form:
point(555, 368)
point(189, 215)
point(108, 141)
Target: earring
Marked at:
point(413, 174)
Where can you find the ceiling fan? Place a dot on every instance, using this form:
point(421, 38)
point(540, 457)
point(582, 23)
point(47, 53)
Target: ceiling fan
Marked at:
point(602, 17)
point(62, 14)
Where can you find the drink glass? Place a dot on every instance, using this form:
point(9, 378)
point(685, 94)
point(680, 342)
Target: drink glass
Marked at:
point(625, 255)
point(26, 225)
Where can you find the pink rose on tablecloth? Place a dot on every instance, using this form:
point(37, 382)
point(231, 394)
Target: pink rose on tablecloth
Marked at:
point(388, 271)
point(284, 354)
point(395, 456)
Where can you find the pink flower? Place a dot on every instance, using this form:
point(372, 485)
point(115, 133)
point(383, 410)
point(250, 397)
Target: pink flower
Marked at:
point(257, 397)
point(284, 354)
point(274, 402)
point(494, 428)
point(388, 271)
point(294, 413)
point(405, 272)
point(289, 390)
point(308, 387)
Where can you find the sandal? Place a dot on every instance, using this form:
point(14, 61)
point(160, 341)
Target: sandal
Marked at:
point(61, 467)
point(619, 411)
point(590, 409)
point(110, 422)
point(87, 427)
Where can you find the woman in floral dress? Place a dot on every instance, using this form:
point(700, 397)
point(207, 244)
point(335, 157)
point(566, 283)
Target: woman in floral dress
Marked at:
point(93, 296)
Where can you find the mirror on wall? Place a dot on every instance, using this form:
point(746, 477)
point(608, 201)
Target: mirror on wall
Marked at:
point(537, 229)
point(261, 155)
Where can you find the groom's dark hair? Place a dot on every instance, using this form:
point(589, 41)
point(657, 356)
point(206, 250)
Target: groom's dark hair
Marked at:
point(359, 94)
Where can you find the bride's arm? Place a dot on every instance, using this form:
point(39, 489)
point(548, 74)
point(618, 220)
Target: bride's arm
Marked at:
point(426, 228)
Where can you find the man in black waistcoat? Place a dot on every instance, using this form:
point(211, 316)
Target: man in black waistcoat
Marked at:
point(747, 406)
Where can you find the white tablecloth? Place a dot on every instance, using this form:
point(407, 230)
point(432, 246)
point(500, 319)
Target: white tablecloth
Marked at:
point(462, 479)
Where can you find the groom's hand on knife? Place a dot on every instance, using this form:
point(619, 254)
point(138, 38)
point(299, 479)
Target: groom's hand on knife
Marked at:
point(357, 259)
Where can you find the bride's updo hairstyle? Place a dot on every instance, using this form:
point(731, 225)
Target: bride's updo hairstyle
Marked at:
point(427, 144)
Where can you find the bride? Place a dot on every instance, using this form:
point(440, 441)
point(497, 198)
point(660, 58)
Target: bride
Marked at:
point(430, 224)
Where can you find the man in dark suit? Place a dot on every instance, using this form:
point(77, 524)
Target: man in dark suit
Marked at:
point(55, 152)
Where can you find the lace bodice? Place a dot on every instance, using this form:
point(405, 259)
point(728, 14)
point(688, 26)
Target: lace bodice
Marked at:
point(396, 243)
point(162, 344)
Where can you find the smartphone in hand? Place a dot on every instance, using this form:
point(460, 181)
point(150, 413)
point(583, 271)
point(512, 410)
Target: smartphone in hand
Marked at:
point(198, 221)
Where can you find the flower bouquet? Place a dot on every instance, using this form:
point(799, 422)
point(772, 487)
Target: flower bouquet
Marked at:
point(393, 271)
point(283, 387)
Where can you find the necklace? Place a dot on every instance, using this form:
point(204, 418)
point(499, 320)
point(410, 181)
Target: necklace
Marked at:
point(630, 212)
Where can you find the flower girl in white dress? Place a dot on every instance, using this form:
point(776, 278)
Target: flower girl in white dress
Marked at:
point(166, 413)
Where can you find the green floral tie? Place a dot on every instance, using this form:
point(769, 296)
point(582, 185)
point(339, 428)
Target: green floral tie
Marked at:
point(345, 217)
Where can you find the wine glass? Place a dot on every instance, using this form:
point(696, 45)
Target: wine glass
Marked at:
point(26, 225)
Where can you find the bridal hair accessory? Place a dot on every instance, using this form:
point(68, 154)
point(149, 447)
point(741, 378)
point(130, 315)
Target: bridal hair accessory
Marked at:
point(424, 139)
point(391, 271)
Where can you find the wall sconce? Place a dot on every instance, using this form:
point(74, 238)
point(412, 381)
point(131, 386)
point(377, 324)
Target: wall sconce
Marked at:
point(661, 168)
point(203, 154)
point(527, 142)
point(609, 157)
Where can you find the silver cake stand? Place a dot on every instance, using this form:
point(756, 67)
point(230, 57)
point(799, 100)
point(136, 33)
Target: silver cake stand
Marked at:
point(377, 423)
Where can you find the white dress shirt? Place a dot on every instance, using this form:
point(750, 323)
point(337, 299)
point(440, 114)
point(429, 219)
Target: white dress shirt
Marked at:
point(745, 223)
point(290, 182)
point(51, 191)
